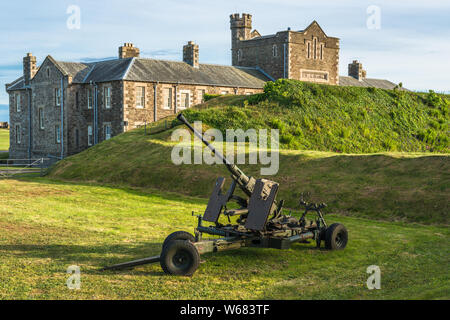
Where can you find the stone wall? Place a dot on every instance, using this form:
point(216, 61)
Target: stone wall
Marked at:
point(21, 118)
point(322, 68)
point(135, 116)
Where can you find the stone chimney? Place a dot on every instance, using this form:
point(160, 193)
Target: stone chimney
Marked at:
point(29, 68)
point(128, 51)
point(356, 70)
point(190, 54)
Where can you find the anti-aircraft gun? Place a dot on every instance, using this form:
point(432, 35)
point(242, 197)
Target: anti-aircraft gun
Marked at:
point(260, 223)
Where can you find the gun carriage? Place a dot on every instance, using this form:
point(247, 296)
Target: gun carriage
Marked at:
point(259, 222)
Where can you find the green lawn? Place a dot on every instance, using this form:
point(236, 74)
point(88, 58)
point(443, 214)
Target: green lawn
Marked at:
point(4, 139)
point(47, 226)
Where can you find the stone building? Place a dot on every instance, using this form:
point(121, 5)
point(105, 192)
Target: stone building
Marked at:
point(307, 55)
point(61, 108)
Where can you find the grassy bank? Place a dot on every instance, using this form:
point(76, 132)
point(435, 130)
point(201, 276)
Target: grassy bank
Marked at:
point(341, 119)
point(4, 139)
point(48, 226)
point(392, 186)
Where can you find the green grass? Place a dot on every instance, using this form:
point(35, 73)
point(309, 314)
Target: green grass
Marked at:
point(331, 118)
point(390, 186)
point(48, 226)
point(4, 139)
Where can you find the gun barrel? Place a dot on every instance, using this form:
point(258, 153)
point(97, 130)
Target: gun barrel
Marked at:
point(200, 136)
point(244, 182)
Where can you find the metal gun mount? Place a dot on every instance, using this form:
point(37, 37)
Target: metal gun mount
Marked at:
point(260, 223)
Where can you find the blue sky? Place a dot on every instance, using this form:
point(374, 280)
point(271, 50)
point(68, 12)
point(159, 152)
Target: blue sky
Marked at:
point(411, 45)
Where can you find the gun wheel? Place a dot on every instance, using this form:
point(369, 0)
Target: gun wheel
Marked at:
point(180, 257)
point(336, 237)
point(178, 235)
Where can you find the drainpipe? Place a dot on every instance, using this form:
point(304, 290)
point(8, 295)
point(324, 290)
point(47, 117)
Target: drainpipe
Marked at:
point(176, 98)
point(62, 118)
point(155, 109)
point(95, 124)
point(30, 124)
point(284, 60)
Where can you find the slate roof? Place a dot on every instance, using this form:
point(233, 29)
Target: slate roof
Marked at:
point(368, 82)
point(151, 70)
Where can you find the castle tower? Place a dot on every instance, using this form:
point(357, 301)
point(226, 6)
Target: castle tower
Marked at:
point(190, 54)
point(241, 27)
point(29, 68)
point(356, 70)
point(128, 50)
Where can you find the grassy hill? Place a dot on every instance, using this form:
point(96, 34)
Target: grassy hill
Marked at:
point(340, 119)
point(395, 186)
point(371, 181)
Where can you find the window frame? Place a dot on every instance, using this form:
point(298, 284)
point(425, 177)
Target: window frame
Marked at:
point(18, 135)
point(89, 97)
point(57, 134)
point(201, 95)
point(188, 93)
point(274, 51)
point(140, 104)
point(105, 131)
point(58, 97)
point(90, 134)
point(169, 99)
point(107, 97)
point(41, 118)
point(18, 102)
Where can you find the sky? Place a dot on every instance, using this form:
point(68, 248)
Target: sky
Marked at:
point(400, 40)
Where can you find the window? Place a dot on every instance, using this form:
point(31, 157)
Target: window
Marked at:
point(17, 102)
point(48, 72)
point(41, 118)
point(89, 98)
point(90, 136)
point(275, 50)
point(315, 48)
point(184, 99)
point(57, 97)
point(321, 51)
point(167, 97)
point(77, 100)
point(18, 134)
point(239, 55)
point(140, 97)
point(200, 95)
point(107, 132)
point(57, 134)
point(308, 50)
point(107, 97)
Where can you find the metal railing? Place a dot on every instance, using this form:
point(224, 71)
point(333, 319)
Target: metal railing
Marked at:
point(12, 167)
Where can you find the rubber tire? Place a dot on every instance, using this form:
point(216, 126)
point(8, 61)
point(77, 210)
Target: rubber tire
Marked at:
point(188, 252)
point(331, 236)
point(178, 235)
